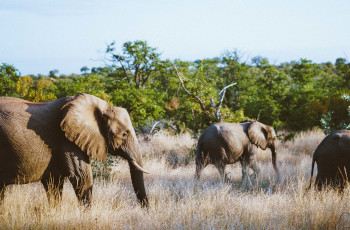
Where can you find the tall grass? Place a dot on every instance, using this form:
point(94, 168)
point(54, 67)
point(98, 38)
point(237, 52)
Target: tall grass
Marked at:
point(178, 201)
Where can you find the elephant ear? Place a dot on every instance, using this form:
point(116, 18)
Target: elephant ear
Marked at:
point(81, 124)
point(257, 134)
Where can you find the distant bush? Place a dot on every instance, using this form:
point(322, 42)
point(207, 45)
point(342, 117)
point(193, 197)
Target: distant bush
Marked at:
point(339, 117)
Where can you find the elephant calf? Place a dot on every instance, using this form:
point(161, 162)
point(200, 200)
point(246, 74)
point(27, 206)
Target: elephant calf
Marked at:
point(227, 143)
point(49, 141)
point(332, 156)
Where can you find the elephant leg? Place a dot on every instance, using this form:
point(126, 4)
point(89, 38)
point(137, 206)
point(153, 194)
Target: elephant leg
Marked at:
point(54, 188)
point(83, 188)
point(80, 175)
point(319, 182)
point(341, 178)
point(245, 174)
point(199, 169)
point(201, 163)
point(221, 168)
point(254, 165)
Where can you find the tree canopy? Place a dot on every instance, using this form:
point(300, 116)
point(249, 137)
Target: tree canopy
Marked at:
point(295, 95)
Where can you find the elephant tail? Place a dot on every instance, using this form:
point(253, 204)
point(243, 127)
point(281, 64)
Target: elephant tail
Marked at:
point(198, 155)
point(312, 171)
point(199, 159)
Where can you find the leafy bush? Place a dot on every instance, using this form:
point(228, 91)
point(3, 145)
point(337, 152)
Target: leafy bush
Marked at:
point(142, 104)
point(103, 169)
point(339, 117)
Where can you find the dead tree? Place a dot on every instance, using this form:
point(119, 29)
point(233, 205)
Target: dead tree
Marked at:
point(221, 98)
point(217, 107)
point(194, 96)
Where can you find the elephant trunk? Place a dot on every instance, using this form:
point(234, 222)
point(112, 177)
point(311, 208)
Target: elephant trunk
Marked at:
point(136, 171)
point(130, 151)
point(274, 161)
point(138, 183)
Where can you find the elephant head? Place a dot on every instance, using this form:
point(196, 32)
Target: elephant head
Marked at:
point(98, 128)
point(264, 136)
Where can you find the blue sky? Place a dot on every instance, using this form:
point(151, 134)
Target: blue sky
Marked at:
point(37, 36)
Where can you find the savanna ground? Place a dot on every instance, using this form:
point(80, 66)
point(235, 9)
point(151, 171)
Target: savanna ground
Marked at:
point(177, 201)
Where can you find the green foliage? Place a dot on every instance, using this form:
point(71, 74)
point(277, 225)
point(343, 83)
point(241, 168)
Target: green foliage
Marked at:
point(233, 70)
point(269, 88)
point(339, 116)
point(297, 110)
point(295, 96)
point(87, 83)
point(103, 170)
point(343, 70)
point(142, 104)
point(40, 90)
point(8, 79)
point(138, 61)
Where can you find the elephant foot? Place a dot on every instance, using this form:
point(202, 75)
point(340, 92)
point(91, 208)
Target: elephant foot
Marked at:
point(228, 178)
point(249, 182)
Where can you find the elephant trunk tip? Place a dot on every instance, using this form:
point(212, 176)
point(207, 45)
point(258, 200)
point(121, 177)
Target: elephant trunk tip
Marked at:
point(144, 203)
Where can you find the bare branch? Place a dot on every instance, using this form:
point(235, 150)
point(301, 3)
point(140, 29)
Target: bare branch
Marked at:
point(173, 127)
point(212, 102)
point(224, 89)
point(148, 137)
point(124, 70)
point(221, 95)
point(183, 86)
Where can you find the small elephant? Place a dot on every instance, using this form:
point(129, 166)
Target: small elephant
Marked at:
point(227, 143)
point(332, 156)
point(49, 141)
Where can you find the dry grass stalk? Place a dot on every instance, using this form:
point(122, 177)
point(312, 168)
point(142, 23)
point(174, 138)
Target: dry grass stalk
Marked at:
point(177, 201)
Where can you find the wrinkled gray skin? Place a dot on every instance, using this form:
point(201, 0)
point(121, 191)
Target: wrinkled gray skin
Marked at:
point(332, 156)
point(227, 143)
point(50, 141)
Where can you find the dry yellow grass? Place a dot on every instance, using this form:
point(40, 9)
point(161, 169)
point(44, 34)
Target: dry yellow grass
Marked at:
point(177, 201)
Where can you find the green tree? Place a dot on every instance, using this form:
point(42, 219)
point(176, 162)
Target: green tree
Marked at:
point(138, 62)
point(143, 105)
point(343, 70)
point(339, 115)
point(269, 91)
point(73, 85)
point(53, 73)
point(8, 80)
point(84, 70)
point(235, 71)
point(297, 111)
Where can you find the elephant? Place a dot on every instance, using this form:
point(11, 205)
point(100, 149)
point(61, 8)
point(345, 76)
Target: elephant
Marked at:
point(51, 141)
point(332, 156)
point(226, 143)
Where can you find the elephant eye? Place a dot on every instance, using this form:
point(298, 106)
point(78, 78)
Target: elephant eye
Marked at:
point(125, 134)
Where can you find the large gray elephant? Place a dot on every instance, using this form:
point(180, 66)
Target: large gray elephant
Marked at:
point(227, 143)
point(332, 156)
point(49, 141)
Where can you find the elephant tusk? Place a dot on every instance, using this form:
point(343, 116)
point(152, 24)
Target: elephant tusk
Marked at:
point(138, 167)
